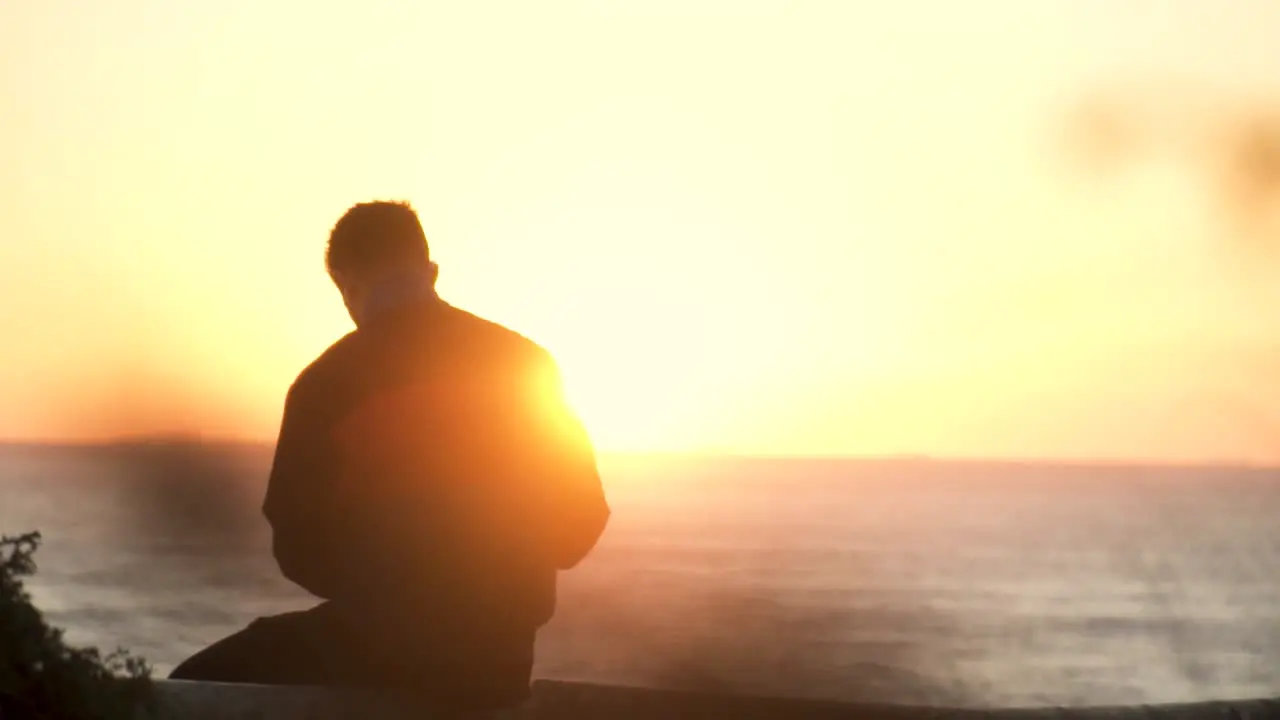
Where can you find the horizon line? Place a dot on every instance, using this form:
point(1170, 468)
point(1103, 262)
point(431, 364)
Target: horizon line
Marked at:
point(917, 457)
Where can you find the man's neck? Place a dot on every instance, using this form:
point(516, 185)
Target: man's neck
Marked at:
point(396, 291)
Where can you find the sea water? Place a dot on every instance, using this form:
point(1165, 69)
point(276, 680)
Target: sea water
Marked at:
point(905, 580)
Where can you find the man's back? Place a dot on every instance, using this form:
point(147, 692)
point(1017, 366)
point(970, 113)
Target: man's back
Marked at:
point(429, 476)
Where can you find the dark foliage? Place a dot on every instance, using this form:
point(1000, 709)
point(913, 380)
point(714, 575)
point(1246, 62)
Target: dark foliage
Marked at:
point(43, 678)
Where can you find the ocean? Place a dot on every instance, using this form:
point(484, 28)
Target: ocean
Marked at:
point(899, 580)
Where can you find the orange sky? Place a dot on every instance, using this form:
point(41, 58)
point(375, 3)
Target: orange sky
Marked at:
point(750, 226)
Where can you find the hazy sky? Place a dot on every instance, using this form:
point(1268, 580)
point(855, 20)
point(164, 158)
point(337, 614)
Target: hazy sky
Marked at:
point(743, 225)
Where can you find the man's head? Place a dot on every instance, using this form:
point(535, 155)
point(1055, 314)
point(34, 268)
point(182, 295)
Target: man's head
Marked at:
point(373, 243)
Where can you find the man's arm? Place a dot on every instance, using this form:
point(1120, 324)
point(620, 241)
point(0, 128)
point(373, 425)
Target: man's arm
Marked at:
point(576, 511)
point(298, 502)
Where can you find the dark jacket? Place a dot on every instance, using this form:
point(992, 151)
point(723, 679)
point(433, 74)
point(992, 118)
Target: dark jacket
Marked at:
point(429, 475)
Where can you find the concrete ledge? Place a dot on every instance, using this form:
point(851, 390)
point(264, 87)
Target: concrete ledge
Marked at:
point(181, 700)
point(554, 700)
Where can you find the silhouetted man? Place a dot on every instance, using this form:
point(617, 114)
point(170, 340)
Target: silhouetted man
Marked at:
point(428, 483)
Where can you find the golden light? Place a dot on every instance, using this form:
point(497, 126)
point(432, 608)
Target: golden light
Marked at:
point(761, 226)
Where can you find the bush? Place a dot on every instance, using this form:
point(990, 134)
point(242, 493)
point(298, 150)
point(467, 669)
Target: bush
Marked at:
point(41, 677)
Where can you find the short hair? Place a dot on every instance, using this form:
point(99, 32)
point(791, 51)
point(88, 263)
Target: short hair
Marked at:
point(376, 236)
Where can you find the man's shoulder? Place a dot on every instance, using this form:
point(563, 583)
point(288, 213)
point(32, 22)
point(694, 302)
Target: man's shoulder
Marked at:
point(485, 344)
point(499, 341)
point(321, 369)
